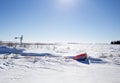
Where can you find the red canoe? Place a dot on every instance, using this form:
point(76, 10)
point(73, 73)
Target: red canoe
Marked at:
point(82, 56)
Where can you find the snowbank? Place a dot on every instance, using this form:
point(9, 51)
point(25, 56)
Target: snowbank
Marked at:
point(8, 50)
point(50, 63)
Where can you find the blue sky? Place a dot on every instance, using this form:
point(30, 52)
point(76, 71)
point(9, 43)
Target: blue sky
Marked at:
point(60, 20)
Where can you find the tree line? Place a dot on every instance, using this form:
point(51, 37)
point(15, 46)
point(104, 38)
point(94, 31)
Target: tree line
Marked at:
point(115, 42)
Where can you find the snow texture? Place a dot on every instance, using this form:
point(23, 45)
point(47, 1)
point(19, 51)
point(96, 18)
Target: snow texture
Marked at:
point(54, 64)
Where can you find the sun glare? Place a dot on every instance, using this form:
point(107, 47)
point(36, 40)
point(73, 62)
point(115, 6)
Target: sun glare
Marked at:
point(66, 4)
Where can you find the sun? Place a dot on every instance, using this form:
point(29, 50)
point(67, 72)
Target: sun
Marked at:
point(65, 4)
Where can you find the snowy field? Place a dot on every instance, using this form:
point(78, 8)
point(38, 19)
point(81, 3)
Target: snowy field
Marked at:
point(51, 64)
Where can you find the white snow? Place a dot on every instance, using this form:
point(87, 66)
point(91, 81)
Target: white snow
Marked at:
point(104, 64)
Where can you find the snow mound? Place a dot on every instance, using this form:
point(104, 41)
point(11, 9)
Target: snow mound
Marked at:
point(8, 50)
point(6, 64)
point(41, 62)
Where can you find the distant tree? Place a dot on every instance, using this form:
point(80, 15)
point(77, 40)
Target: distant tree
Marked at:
point(112, 42)
point(118, 42)
point(115, 42)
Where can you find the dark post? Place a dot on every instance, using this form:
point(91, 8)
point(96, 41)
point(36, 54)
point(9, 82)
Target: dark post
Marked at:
point(21, 38)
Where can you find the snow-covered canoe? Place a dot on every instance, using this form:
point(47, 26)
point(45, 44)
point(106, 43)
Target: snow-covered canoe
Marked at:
point(82, 56)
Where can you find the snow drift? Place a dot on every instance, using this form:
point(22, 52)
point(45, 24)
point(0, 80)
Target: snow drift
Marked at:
point(53, 63)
